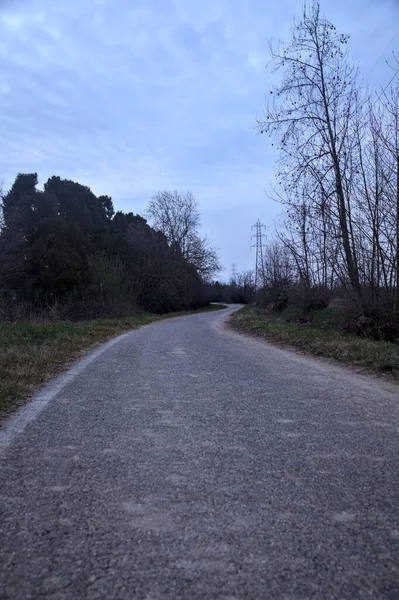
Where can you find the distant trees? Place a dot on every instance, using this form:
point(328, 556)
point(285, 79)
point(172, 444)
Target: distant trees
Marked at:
point(64, 248)
point(241, 290)
point(177, 216)
point(162, 278)
point(338, 173)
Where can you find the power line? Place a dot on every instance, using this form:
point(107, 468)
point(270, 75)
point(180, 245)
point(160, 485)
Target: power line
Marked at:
point(382, 53)
point(387, 86)
point(379, 96)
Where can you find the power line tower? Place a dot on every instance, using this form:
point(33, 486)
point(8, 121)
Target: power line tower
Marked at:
point(259, 244)
point(233, 273)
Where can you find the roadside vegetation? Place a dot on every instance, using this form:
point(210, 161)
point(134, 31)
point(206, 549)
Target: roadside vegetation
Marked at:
point(74, 272)
point(67, 254)
point(328, 280)
point(336, 244)
point(320, 338)
point(32, 352)
point(328, 283)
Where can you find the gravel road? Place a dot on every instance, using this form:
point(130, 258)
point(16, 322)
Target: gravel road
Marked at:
point(186, 461)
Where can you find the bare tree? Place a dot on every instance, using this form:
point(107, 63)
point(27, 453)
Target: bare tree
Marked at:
point(177, 216)
point(338, 175)
point(311, 116)
point(278, 266)
point(246, 289)
point(390, 142)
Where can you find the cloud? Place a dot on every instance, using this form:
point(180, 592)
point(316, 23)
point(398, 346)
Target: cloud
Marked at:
point(130, 97)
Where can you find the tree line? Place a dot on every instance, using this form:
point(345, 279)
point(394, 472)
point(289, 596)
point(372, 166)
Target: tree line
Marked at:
point(240, 289)
point(337, 178)
point(66, 252)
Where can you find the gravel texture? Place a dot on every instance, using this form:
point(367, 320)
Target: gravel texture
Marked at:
point(187, 461)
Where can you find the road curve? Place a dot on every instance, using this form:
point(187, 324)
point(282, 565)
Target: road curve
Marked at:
point(187, 462)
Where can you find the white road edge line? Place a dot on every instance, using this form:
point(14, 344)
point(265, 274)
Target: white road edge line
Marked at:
point(16, 424)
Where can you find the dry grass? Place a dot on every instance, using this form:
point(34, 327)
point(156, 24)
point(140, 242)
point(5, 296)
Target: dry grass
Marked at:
point(379, 357)
point(33, 352)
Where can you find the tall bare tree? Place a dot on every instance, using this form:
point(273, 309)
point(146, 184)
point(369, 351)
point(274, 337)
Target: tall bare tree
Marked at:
point(177, 216)
point(311, 115)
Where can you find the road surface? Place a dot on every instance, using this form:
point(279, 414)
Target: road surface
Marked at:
point(186, 461)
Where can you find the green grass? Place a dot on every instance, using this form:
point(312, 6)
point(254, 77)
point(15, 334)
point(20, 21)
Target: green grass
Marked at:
point(32, 352)
point(379, 357)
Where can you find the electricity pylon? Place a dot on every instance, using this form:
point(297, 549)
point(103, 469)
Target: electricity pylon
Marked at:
point(259, 244)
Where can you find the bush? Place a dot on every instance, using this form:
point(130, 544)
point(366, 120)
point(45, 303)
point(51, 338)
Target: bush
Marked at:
point(329, 318)
point(294, 314)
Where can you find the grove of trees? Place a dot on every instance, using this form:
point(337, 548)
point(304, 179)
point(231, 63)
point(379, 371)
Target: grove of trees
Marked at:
point(338, 179)
point(65, 252)
point(239, 290)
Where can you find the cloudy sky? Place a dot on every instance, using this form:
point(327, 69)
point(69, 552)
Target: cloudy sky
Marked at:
point(133, 96)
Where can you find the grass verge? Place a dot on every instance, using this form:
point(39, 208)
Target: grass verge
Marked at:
point(33, 352)
point(378, 357)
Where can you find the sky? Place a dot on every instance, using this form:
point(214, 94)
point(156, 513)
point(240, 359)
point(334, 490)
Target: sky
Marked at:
point(134, 96)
